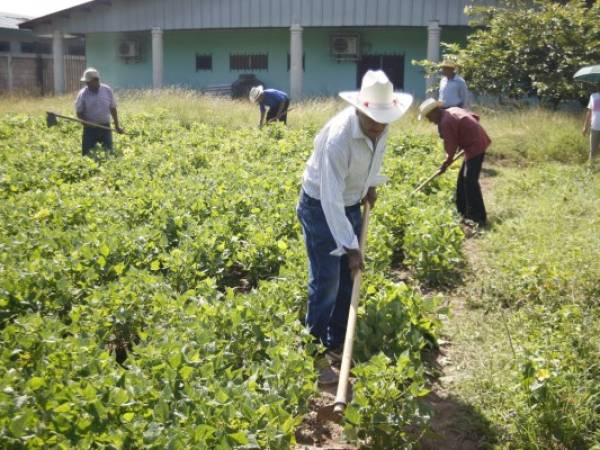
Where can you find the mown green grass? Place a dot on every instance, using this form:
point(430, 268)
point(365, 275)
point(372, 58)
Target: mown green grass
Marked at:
point(529, 345)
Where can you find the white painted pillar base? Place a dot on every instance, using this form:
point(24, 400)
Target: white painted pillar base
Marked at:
point(433, 48)
point(157, 58)
point(296, 70)
point(58, 54)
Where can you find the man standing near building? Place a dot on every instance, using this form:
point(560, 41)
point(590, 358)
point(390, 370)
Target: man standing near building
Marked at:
point(277, 101)
point(96, 104)
point(453, 89)
point(342, 172)
point(460, 129)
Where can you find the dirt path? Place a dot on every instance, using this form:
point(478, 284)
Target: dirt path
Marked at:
point(318, 431)
point(456, 424)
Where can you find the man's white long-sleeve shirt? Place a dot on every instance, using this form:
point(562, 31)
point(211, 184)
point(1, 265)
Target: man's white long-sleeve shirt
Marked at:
point(342, 168)
point(454, 92)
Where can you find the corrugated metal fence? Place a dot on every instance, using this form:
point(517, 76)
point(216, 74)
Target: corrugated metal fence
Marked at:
point(33, 74)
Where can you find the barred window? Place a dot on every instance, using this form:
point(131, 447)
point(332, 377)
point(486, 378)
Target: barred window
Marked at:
point(249, 62)
point(4, 46)
point(203, 62)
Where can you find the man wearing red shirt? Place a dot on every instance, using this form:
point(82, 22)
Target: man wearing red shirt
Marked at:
point(461, 130)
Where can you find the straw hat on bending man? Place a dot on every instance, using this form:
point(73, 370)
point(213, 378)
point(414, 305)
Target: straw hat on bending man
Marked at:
point(342, 172)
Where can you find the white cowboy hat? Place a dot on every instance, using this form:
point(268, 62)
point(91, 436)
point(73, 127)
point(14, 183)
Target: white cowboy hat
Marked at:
point(90, 74)
point(427, 106)
point(377, 98)
point(255, 92)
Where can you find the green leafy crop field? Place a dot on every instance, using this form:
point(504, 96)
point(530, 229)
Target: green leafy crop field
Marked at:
point(153, 298)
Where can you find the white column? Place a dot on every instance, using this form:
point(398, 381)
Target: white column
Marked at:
point(58, 53)
point(9, 73)
point(433, 47)
point(157, 58)
point(296, 70)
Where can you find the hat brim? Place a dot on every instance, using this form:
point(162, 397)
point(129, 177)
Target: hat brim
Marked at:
point(401, 103)
point(254, 98)
point(435, 106)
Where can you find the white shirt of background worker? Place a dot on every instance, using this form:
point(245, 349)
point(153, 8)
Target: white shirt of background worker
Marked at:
point(453, 89)
point(592, 123)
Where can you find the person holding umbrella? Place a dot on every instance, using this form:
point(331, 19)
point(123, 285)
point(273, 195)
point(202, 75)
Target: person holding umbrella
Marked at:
point(277, 101)
point(592, 124)
point(342, 172)
point(461, 129)
point(591, 74)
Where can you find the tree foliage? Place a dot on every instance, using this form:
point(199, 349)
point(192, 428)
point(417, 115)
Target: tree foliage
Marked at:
point(523, 48)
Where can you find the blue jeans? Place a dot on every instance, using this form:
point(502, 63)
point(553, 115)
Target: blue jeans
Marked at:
point(329, 278)
point(92, 136)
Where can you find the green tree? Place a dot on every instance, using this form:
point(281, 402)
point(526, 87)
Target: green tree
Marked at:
point(523, 48)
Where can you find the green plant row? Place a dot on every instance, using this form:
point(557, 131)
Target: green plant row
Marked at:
point(152, 299)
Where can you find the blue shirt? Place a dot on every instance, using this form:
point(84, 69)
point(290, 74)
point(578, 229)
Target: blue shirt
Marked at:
point(272, 98)
point(453, 92)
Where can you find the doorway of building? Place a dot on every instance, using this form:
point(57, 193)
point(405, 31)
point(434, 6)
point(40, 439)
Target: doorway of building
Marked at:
point(392, 65)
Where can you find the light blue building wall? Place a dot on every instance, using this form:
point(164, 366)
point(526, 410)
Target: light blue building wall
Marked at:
point(323, 75)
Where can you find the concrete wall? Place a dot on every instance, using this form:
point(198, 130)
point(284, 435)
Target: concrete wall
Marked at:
point(33, 75)
point(323, 75)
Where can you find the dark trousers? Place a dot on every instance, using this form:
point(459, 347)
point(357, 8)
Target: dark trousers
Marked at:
point(273, 113)
point(93, 136)
point(329, 278)
point(469, 200)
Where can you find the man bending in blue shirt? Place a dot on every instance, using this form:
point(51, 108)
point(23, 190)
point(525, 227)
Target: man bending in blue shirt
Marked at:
point(277, 102)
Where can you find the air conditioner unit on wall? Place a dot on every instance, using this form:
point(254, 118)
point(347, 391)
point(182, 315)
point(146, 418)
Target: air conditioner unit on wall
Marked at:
point(129, 49)
point(344, 46)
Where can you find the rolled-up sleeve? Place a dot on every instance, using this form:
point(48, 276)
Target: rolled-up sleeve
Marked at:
point(79, 104)
point(449, 132)
point(113, 102)
point(464, 94)
point(335, 164)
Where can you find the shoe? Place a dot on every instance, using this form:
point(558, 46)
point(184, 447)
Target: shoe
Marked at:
point(334, 355)
point(327, 375)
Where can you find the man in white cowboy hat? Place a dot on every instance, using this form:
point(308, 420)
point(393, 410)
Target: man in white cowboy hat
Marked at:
point(342, 172)
point(277, 101)
point(453, 89)
point(96, 103)
point(461, 129)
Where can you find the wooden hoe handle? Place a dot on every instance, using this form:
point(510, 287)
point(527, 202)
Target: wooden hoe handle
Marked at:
point(342, 389)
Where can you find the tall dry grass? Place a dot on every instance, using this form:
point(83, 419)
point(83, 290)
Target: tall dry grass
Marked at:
point(520, 136)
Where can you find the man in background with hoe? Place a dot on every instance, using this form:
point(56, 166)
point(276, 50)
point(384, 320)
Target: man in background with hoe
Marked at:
point(460, 129)
point(277, 101)
point(96, 104)
point(342, 172)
